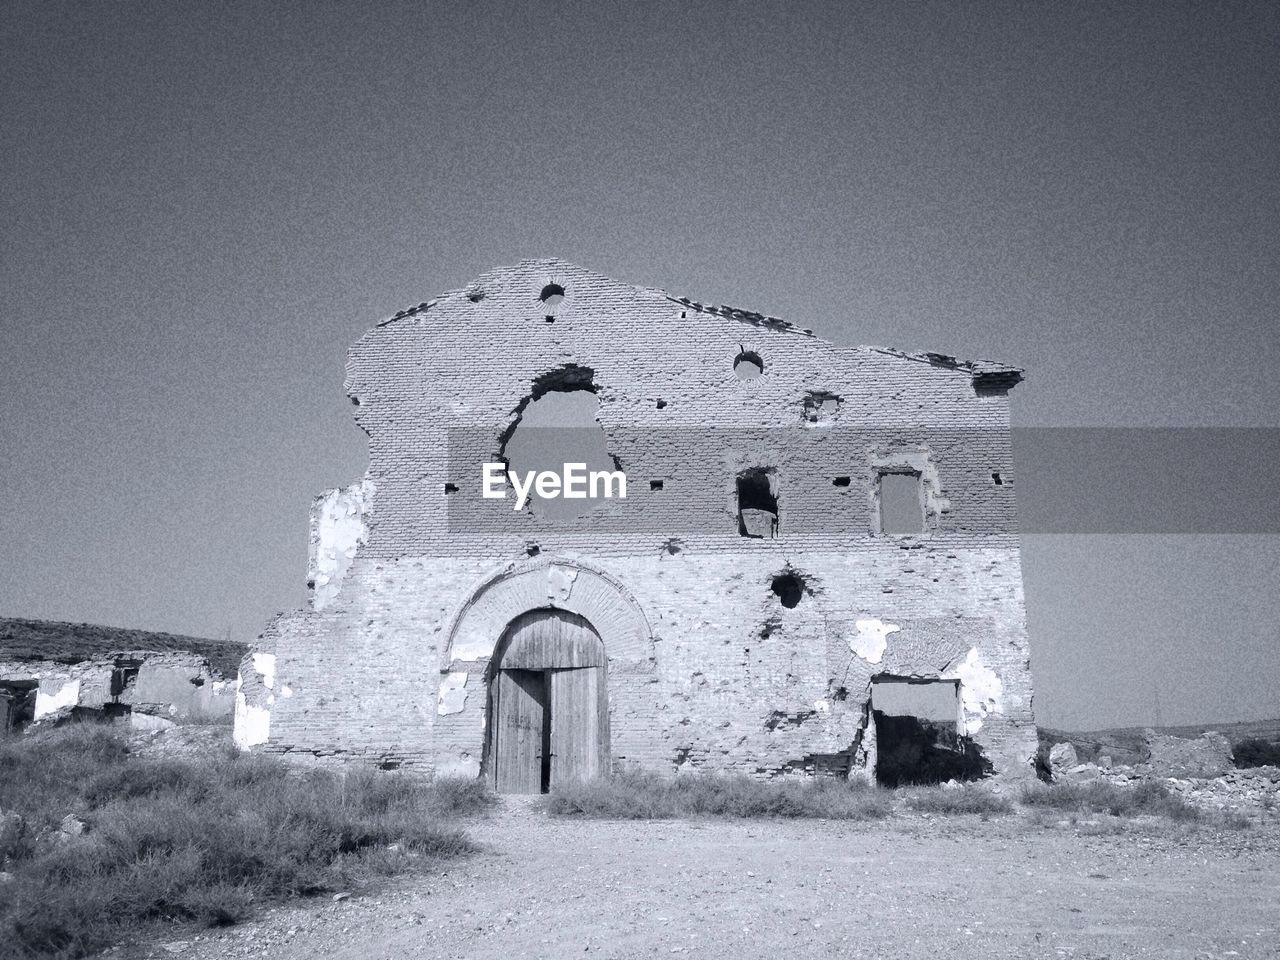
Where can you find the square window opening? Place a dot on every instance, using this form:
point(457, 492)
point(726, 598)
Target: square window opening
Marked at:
point(901, 504)
point(757, 504)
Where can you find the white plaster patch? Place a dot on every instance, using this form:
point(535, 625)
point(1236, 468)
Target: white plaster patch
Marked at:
point(871, 639)
point(67, 695)
point(253, 724)
point(338, 529)
point(822, 706)
point(453, 693)
point(265, 664)
point(981, 692)
point(560, 582)
point(286, 691)
point(253, 721)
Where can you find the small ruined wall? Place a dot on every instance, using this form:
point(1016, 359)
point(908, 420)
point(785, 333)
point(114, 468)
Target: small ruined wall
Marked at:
point(172, 685)
point(180, 688)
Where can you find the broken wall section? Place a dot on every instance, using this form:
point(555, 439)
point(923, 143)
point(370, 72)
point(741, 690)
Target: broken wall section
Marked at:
point(758, 664)
point(983, 723)
point(828, 421)
point(170, 687)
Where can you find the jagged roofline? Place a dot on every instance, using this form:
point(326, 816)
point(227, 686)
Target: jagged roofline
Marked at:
point(985, 373)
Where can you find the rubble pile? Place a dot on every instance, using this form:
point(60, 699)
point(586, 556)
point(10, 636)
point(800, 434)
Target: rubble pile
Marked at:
point(1199, 770)
point(1255, 790)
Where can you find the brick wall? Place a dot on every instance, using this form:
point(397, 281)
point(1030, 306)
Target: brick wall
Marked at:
point(707, 667)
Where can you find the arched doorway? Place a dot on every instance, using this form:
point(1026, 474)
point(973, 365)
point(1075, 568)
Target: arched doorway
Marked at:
point(548, 703)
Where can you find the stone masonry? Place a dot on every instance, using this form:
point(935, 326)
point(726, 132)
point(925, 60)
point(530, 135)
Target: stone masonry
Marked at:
point(711, 664)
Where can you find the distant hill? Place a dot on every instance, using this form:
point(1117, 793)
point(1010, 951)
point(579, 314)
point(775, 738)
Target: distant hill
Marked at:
point(1128, 744)
point(1235, 732)
point(74, 642)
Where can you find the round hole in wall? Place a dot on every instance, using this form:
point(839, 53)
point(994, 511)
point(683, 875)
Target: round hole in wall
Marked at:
point(788, 587)
point(552, 295)
point(748, 365)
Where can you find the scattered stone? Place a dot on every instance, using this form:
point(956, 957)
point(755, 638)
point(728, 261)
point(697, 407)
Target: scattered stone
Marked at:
point(1083, 772)
point(1062, 757)
point(1253, 792)
point(149, 722)
point(72, 825)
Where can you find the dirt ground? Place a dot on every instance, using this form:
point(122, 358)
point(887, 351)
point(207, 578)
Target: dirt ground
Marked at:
point(910, 887)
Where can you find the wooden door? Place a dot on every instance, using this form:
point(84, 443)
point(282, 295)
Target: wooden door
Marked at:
point(550, 706)
point(520, 752)
point(579, 724)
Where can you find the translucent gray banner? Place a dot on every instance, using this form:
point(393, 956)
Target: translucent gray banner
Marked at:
point(826, 480)
point(1148, 480)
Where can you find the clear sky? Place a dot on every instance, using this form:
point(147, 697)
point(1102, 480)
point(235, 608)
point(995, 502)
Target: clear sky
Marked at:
point(204, 204)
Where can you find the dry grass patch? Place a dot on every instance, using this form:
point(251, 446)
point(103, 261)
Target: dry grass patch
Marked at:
point(193, 841)
point(1147, 798)
point(1098, 796)
point(958, 800)
point(648, 796)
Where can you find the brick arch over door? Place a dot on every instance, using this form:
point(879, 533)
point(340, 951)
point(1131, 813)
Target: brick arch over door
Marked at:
point(559, 583)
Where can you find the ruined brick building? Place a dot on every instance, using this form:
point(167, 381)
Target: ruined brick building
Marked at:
point(52, 671)
point(808, 531)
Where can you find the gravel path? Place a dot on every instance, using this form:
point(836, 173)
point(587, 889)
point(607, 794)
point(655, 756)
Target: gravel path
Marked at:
point(911, 887)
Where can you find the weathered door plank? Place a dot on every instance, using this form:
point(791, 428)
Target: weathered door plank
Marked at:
point(579, 724)
point(551, 640)
point(520, 716)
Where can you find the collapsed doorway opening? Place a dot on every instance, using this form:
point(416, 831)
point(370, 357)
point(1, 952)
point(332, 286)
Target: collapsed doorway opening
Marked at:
point(548, 709)
point(17, 704)
point(918, 733)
